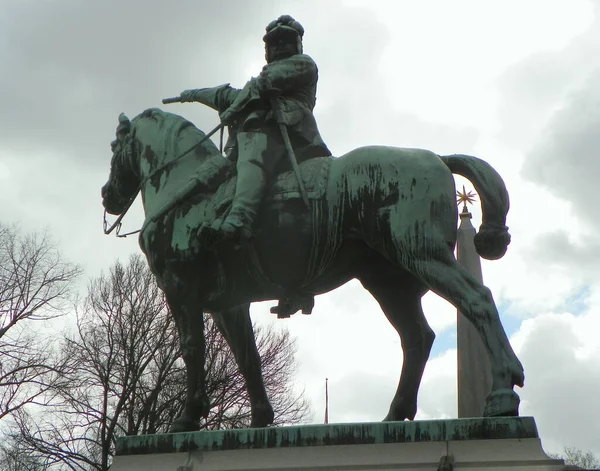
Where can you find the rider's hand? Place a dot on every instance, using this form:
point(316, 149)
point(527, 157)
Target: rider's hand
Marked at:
point(227, 117)
point(187, 96)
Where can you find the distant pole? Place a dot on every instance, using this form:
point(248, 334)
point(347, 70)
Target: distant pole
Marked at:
point(474, 370)
point(326, 401)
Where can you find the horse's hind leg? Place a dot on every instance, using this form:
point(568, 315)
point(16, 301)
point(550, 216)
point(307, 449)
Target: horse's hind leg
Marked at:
point(236, 328)
point(436, 266)
point(399, 295)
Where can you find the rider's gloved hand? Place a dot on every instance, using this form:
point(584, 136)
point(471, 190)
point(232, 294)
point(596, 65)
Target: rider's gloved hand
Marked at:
point(227, 117)
point(187, 96)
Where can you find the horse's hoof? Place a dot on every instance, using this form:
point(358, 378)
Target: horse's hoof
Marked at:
point(262, 416)
point(184, 425)
point(399, 414)
point(395, 417)
point(502, 403)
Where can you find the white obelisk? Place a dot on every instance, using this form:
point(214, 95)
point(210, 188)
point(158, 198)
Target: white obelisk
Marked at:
point(474, 375)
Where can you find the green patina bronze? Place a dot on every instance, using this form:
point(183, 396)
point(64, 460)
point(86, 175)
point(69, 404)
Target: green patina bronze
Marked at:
point(221, 233)
point(332, 435)
point(269, 119)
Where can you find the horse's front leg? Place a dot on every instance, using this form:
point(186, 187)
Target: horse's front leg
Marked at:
point(188, 316)
point(236, 327)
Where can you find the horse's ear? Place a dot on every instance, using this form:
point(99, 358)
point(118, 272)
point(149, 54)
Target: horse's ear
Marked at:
point(124, 125)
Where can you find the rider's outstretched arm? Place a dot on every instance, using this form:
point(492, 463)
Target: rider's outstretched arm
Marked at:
point(218, 98)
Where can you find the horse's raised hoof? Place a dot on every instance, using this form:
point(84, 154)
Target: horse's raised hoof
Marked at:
point(262, 416)
point(502, 403)
point(184, 425)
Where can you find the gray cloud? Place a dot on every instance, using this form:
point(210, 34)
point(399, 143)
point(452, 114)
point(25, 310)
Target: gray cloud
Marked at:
point(558, 250)
point(374, 394)
point(532, 90)
point(529, 93)
point(565, 161)
point(550, 107)
point(565, 157)
point(560, 386)
point(74, 65)
point(350, 82)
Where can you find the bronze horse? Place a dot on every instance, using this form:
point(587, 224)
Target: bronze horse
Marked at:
point(386, 216)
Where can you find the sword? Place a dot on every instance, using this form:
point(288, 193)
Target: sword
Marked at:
point(273, 95)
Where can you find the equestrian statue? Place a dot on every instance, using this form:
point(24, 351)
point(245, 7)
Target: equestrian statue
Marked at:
point(280, 218)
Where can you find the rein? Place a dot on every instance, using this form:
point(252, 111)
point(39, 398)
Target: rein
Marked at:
point(118, 224)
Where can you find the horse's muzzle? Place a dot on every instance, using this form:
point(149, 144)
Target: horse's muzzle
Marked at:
point(111, 201)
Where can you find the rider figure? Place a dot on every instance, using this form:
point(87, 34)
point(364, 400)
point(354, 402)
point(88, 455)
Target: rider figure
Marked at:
point(259, 146)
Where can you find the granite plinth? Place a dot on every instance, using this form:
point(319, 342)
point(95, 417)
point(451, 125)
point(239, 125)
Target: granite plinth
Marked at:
point(478, 443)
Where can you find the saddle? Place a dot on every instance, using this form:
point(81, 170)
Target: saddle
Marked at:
point(314, 176)
point(219, 174)
point(284, 186)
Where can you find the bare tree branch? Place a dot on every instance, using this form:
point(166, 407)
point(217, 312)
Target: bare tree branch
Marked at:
point(577, 458)
point(124, 374)
point(35, 285)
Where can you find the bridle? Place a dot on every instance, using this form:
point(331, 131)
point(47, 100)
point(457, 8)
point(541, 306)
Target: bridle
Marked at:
point(118, 224)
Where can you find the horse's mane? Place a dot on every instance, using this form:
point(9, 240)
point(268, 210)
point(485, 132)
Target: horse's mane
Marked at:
point(168, 131)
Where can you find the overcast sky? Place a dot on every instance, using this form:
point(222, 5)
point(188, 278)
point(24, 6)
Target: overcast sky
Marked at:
point(514, 82)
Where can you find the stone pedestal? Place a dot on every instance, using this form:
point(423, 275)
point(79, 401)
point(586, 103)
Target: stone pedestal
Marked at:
point(445, 445)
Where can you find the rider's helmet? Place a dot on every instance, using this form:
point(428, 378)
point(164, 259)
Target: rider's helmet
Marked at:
point(286, 30)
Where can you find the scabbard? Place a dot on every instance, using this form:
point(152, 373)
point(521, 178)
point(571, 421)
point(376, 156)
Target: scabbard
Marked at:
point(276, 107)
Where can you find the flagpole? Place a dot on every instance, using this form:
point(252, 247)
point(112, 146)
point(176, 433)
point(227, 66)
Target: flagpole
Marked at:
point(326, 401)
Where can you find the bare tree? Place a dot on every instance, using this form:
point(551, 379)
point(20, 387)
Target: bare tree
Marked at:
point(16, 457)
point(126, 377)
point(577, 458)
point(35, 283)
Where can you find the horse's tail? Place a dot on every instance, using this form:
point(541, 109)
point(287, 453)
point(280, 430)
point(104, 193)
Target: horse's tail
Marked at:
point(493, 238)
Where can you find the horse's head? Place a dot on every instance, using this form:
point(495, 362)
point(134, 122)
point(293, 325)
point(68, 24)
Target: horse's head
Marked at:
point(152, 152)
point(123, 179)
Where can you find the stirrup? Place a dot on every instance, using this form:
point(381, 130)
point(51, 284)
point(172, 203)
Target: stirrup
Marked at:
point(292, 304)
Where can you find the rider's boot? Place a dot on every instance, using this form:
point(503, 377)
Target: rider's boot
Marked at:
point(250, 187)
